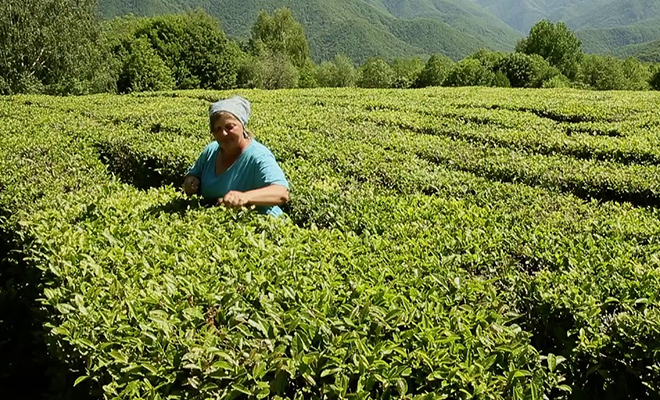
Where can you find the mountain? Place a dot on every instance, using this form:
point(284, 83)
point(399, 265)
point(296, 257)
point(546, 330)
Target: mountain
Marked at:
point(620, 23)
point(649, 52)
point(357, 28)
point(406, 28)
point(612, 40)
point(604, 26)
point(523, 14)
point(616, 14)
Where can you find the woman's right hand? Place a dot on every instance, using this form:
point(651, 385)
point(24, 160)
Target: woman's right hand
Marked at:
point(191, 185)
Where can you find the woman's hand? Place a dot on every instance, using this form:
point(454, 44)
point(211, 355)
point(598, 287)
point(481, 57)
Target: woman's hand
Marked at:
point(235, 199)
point(191, 185)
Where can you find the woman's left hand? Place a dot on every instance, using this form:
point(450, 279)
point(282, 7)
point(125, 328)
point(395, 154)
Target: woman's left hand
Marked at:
point(234, 199)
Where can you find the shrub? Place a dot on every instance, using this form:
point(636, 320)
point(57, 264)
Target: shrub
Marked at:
point(557, 81)
point(655, 78)
point(406, 72)
point(339, 73)
point(195, 49)
point(487, 58)
point(308, 75)
point(376, 73)
point(501, 80)
point(602, 73)
point(637, 74)
point(435, 71)
point(524, 70)
point(269, 71)
point(143, 70)
point(469, 72)
point(555, 43)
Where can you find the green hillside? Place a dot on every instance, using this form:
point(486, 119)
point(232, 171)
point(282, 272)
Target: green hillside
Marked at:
point(611, 40)
point(405, 28)
point(604, 26)
point(616, 13)
point(358, 28)
point(649, 52)
point(466, 16)
point(523, 14)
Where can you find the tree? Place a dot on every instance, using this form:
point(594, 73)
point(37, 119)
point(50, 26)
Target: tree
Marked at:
point(435, 71)
point(345, 73)
point(500, 80)
point(524, 70)
point(487, 58)
point(555, 43)
point(195, 49)
point(469, 72)
point(655, 78)
point(268, 71)
point(637, 74)
point(611, 73)
point(406, 71)
point(280, 33)
point(340, 72)
point(143, 69)
point(52, 46)
point(376, 73)
point(308, 75)
point(559, 81)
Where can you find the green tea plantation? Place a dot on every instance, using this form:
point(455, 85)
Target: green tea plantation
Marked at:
point(442, 243)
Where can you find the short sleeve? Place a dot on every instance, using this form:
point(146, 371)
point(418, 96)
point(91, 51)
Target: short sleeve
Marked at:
point(198, 168)
point(269, 172)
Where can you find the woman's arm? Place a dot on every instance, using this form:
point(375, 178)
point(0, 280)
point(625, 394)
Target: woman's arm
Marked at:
point(272, 195)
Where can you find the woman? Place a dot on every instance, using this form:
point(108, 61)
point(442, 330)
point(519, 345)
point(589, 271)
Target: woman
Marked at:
point(236, 169)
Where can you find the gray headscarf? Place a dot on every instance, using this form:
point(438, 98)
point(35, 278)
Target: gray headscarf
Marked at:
point(237, 105)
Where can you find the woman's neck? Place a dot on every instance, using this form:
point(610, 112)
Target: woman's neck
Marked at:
point(235, 150)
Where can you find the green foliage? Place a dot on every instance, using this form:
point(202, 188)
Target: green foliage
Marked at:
point(524, 70)
point(637, 74)
point(376, 73)
point(610, 73)
point(280, 34)
point(5, 89)
point(339, 73)
point(435, 71)
point(649, 52)
point(655, 78)
point(602, 73)
point(556, 44)
point(469, 72)
point(51, 46)
point(358, 29)
point(488, 58)
point(406, 72)
point(143, 69)
point(194, 48)
point(248, 72)
point(619, 13)
point(619, 40)
point(500, 79)
point(308, 75)
point(269, 71)
point(557, 81)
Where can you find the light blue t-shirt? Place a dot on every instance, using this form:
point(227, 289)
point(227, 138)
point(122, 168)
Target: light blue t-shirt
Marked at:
point(255, 168)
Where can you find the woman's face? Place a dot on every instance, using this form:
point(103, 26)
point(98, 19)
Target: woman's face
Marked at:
point(227, 130)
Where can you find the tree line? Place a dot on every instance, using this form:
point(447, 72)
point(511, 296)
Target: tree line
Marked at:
point(189, 50)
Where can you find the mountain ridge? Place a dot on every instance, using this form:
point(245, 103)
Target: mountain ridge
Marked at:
point(406, 28)
point(357, 28)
